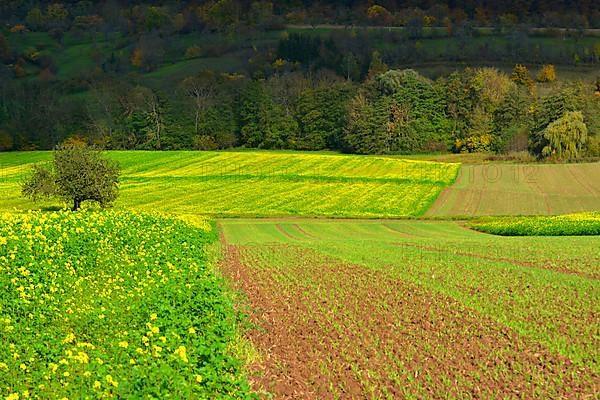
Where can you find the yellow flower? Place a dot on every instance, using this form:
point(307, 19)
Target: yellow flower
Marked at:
point(198, 378)
point(153, 317)
point(153, 329)
point(13, 396)
point(69, 339)
point(87, 374)
point(97, 385)
point(3, 366)
point(123, 344)
point(82, 357)
point(192, 331)
point(181, 352)
point(66, 373)
point(111, 381)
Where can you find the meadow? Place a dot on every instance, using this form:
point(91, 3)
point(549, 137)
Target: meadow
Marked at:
point(414, 309)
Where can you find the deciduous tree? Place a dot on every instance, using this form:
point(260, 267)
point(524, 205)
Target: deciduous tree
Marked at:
point(566, 137)
point(78, 173)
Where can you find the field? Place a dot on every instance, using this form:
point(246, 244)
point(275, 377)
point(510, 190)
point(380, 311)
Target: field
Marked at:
point(437, 54)
point(413, 309)
point(155, 299)
point(505, 189)
point(258, 183)
point(114, 305)
point(560, 225)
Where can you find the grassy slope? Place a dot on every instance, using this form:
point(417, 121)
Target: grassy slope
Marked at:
point(259, 183)
point(535, 286)
point(504, 189)
point(77, 53)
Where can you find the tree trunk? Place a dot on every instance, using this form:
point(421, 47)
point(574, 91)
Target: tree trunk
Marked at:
point(76, 204)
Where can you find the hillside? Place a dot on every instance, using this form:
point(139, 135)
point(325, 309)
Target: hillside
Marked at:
point(259, 183)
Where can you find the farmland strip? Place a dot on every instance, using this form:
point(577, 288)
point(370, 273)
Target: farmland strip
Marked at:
point(332, 330)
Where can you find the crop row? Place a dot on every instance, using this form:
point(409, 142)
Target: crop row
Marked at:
point(336, 330)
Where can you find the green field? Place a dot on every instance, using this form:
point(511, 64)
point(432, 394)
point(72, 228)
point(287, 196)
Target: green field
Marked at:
point(430, 307)
point(131, 303)
point(438, 54)
point(258, 183)
point(513, 189)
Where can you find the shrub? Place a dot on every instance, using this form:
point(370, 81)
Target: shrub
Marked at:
point(205, 142)
point(547, 74)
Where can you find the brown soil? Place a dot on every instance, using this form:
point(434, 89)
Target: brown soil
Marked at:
point(330, 330)
point(302, 231)
point(285, 233)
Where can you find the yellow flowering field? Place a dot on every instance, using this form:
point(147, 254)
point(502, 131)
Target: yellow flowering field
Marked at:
point(114, 304)
point(255, 183)
point(578, 224)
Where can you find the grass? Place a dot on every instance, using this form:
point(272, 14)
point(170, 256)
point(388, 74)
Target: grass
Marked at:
point(258, 183)
point(542, 293)
point(114, 304)
point(527, 189)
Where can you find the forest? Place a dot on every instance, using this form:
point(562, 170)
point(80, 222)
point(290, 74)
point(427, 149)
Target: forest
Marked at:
point(316, 76)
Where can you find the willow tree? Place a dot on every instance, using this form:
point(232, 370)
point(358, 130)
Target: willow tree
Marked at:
point(566, 137)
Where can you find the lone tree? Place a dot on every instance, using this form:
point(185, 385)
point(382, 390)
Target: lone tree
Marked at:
point(78, 173)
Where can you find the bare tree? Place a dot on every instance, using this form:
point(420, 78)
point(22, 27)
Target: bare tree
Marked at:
point(201, 89)
point(147, 101)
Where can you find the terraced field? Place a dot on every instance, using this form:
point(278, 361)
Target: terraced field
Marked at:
point(504, 189)
point(414, 309)
point(259, 183)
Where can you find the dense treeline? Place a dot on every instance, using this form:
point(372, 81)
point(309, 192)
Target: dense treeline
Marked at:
point(100, 70)
point(393, 111)
point(225, 14)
